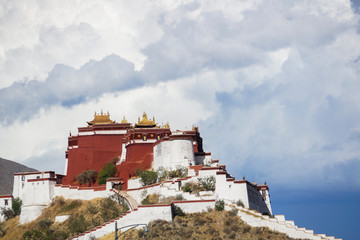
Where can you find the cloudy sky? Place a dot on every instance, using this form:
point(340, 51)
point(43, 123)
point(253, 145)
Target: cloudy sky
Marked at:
point(274, 86)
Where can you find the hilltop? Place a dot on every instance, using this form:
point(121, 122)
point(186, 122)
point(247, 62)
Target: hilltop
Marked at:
point(7, 170)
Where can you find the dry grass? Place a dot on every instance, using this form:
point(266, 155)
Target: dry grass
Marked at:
point(206, 225)
point(84, 216)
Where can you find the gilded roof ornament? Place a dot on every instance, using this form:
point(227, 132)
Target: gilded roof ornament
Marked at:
point(167, 125)
point(101, 119)
point(145, 122)
point(124, 120)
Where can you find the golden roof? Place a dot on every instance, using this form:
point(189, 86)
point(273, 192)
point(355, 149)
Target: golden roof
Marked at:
point(124, 120)
point(167, 125)
point(145, 122)
point(101, 119)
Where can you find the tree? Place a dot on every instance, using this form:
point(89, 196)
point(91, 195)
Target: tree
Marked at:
point(16, 206)
point(108, 171)
point(87, 177)
point(148, 177)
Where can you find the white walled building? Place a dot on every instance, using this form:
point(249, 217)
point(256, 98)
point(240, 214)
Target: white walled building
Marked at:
point(5, 202)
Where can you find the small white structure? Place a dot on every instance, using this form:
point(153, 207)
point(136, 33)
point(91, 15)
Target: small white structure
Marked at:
point(5, 202)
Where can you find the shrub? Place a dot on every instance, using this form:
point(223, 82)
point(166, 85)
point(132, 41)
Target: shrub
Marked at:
point(179, 172)
point(8, 213)
point(70, 205)
point(108, 171)
point(2, 229)
point(92, 209)
point(151, 199)
point(207, 183)
point(177, 211)
point(233, 212)
point(240, 203)
point(179, 197)
point(45, 223)
point(87, 177)
point(148, 177)
point(77, 224)
point(108, 209)
point(33, 234)
point(190, 187)
point(219, 205)
point(16, 206)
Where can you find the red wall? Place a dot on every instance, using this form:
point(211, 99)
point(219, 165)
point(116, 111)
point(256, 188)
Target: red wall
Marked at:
point(93, 152)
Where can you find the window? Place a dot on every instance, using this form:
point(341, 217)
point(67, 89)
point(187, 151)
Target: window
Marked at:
point(22, 178)
point(6, 202)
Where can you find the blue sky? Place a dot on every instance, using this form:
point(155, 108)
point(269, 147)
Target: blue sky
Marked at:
point(273, 85)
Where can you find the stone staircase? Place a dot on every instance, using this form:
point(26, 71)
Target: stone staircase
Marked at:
point(132, 203)
point(277, 223)
point(141, 215)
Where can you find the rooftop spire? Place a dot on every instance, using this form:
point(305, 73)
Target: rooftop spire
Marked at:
point(101, 119)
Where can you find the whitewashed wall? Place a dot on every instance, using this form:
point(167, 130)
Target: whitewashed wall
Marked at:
point(3, 200)
point(173, 153)
point(82, 194)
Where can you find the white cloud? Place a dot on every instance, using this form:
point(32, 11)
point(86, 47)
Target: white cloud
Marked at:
point(272, 84)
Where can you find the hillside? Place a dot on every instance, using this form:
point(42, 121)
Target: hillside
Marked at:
point(7, 170)
point(205, 225)
point(88, 214)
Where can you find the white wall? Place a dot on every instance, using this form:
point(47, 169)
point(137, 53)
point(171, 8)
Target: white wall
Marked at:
point(83, 194)
point(5, 199)
point(173, 153)
point(195, 206)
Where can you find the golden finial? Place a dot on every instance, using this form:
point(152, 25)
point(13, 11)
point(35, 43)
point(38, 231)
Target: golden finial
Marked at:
point(145, 122)
point(144, 115)
point(101, 119)
point(167, 125)
point(124, 120)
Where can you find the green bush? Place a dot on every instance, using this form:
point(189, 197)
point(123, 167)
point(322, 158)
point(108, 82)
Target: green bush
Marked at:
point(16, 206)
point(219, 205)
point(8, 213)
point(190, 187)
point(233, 212)
point(179, 172)
point(207, 183)
point(240, 203)
point(34, 234)
point(148, 177)
point(45, 223)
point(87, 177)
point(177, 211)
point(108, 171)
point(15, 209)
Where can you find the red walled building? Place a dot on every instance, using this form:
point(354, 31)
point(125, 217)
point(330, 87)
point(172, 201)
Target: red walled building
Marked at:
point(130, 145)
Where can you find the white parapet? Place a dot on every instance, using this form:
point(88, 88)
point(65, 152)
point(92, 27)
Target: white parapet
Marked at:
point(30, 213)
